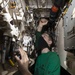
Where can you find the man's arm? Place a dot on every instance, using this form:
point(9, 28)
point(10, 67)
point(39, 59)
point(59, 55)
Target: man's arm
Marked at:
point(42, 22)
point(23, 63)
point(27, 73)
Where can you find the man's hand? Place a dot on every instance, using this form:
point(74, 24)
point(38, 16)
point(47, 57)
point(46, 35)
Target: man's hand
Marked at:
point(23, 62)
point(42, 22)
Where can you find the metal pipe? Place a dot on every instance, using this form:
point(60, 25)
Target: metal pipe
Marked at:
point(16, 18)
point(13, 21)
point(4, 51)
point(27, 2)
point(37, 3)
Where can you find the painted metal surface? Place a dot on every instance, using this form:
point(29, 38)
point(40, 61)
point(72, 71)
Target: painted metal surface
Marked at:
point(69, 28)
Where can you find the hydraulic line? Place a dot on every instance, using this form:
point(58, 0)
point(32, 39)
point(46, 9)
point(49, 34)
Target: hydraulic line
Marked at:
point(4, 51)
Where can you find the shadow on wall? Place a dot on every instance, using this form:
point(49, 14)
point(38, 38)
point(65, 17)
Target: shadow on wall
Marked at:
point(64, 72)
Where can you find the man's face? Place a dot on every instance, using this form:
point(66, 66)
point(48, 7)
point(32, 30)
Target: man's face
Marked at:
point(47, 38)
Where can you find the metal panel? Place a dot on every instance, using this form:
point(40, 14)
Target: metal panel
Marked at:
point(69, 28)
point(39, 3)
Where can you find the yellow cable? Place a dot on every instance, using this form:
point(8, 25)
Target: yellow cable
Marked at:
point(27, 8)
point(11, 62)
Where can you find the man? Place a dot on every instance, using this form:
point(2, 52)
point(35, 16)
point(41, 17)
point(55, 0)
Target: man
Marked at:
point(48, 62)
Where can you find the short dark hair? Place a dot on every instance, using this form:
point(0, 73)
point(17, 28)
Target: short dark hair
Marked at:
point(52, 38)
